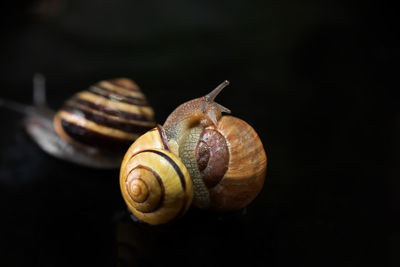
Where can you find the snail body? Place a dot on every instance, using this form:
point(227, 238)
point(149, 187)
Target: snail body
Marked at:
point(223, 155)
point(94, 127)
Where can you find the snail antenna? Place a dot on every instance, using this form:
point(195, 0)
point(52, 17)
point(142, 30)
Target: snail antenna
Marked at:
point(213, 94)
point(39, 97)
point(223, 109)
point(39, 90)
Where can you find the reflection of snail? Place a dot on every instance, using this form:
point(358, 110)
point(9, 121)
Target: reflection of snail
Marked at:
point(223, 156)
point(94, 127)
point(138, 244)
point(204, 236)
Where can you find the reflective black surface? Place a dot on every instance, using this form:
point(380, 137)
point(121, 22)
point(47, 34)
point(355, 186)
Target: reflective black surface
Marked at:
point(315, 79)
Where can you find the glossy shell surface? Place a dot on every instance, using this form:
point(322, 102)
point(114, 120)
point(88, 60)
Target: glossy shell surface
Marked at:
point(154, 182)
point(110, 114)
point(238, 166)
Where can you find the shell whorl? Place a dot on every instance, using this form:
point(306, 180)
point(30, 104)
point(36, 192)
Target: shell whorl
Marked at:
point(110, 114)
point(154, 182)
point(232, 162)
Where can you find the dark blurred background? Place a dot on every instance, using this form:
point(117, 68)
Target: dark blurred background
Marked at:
point(316, 79)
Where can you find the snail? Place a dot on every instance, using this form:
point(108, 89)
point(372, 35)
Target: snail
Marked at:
point(94, 127)
point(222, 155)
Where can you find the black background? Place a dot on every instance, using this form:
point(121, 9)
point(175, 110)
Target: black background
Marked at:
point(316, 79)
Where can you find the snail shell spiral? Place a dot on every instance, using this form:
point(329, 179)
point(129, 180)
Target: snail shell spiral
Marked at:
point(232, 164)
point(110, 114)
point(154, 182)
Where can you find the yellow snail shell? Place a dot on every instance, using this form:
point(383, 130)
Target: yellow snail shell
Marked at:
point(154, 182)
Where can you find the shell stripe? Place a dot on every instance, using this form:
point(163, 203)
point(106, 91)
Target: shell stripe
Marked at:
point(76, 105)
point(171, 162)
point(85, 95)
point(112, 111)
point(158, 178)
point(95, 127)
point(134, 88)
point(106, 121)
point(84, 136)
point(106, 93)
point(120, 89)
point(163, 137)
point(180, 175)
point(123, 92)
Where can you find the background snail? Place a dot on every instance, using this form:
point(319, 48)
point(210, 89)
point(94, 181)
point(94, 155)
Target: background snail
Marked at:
point(94, 127)
point(223, 155)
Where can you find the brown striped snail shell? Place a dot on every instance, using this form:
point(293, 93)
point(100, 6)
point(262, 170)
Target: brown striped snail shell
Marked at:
point(154, 182)
point(109, 114)
point(223, 155)
point(95, 126)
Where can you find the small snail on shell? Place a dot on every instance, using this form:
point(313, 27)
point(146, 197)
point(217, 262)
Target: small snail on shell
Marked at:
point(223, 156)
point(94, 127)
